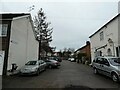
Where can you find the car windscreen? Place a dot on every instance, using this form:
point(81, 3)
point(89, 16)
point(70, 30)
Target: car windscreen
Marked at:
point(31, 63)
point(115, 61)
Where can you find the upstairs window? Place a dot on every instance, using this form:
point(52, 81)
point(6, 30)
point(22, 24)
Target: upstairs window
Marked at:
point(3, 30)
point(101, 36)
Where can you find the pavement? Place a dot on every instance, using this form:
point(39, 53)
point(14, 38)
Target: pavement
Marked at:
point(15, 72)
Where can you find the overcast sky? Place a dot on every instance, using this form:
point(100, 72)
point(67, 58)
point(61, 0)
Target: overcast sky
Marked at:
point(73, 21)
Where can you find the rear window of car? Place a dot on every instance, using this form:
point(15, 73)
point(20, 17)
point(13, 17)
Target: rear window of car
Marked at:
point(115, 61)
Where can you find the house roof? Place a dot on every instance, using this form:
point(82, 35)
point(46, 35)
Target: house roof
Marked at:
point(87, 43)
point(80, 48)
point(11, 15)
point(105, 25)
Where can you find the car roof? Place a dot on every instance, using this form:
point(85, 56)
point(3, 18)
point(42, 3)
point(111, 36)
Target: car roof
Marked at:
point(32, 60)
point(107, 57)
point(35, 60)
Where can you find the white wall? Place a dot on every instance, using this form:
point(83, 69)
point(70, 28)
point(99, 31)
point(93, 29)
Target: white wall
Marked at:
point(119, 29)
point(2, 53)
point(111, 31)
point(23, 47)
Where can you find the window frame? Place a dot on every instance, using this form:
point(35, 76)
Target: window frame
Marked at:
point(3, 28)
point(101, 35)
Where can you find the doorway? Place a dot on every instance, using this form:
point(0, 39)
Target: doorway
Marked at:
point(109, 52)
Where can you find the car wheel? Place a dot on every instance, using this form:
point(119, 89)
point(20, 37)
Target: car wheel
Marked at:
point(95, 71)
point(115, 77)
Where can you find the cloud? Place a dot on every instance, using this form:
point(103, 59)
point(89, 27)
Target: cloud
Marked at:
point(72, 22)
point(60, 1)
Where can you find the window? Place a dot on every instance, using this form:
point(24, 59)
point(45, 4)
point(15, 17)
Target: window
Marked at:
point(101, 36)
point(115, 61)
point(31, 63)
point(98, 60)
point(98, 53)
point(104, 61)
point(3, 29)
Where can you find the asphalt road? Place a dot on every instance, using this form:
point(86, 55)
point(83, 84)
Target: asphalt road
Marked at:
point(69, 75)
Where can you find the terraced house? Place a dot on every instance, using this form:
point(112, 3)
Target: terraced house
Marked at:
point(106, 40)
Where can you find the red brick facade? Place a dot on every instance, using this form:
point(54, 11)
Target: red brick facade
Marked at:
point(85, 49)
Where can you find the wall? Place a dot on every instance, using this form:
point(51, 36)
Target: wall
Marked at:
point(86, 50)
point(110, 31)
point(23, 46)
point(2, 53)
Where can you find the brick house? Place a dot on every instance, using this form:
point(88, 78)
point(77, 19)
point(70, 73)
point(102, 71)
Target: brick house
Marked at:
point(85, 50)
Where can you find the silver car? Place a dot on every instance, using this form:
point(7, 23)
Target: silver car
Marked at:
point(52, 63)
point(33, 67)
point(109, 66)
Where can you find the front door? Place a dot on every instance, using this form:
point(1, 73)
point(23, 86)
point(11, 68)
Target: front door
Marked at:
point(105, 67)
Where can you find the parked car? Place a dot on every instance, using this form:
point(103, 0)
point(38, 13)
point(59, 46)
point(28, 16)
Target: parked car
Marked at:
point(109, 66)
point(52, 63)
point(71, 59)
point(55, 58)
point(33, 67)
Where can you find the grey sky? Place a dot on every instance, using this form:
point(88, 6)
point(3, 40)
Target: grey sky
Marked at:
point(72, 22)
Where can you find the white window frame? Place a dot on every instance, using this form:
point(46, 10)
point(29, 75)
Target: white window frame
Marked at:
point(5, 28)
point(101, 35)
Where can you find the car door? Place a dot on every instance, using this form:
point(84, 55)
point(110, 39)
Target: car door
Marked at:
point(40, 66)
point(44, 64)
point(105, 66)
point(98, 64)
point(47, 63)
